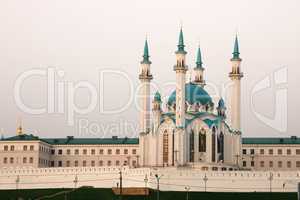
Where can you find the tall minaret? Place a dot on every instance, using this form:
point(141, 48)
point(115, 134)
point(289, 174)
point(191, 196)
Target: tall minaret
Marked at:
point(156, 111)
point(180, 68)
point(145, 78)
point(199, 69)
point(235, 75)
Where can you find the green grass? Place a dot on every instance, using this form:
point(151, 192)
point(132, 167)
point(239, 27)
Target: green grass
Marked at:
point(106, 194)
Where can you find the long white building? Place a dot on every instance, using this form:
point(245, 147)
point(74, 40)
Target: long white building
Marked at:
point(193, 132)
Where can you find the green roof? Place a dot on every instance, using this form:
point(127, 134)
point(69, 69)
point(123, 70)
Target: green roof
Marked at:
point(236, 51)
point(199, 59)
point(291, 140)
point(181, 43)
point(146, 54)
point(193, 94)
point(73, 141)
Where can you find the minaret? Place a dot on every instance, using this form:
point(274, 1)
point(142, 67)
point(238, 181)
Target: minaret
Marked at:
point(199, 69)
point(156, 111)
point(145, 78)
point(180, 68)
point(235, 75)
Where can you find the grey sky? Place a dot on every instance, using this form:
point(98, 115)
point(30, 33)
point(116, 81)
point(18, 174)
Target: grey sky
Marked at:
point(83, 37)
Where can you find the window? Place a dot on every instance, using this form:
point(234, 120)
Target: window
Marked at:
point(11, 160)
point(134, 163)
point(297, 151)
point(109, 151)
point(68, 151)
point(109, 163)
point(125, 151)
point(24, 160)
point(68, 163)
point(118, 151)
point(101, 163)
point(76, 151)
point(252, 163)
point(279, 151)
point(84, 163)
point(262, 151)
point(101, 152)
point(5, 160)
point(25, 148)
point(52, 163)
point(59, 151)
point(244, 151)
point(60, 163)
point(117, 163)
point(297, 163)
point(252, 151)
point(244, 164)
point(93, 151)
point(279, 164)
point(5, 148)
point(262, 164)
point(93, 163)
point(31, 147)
point(270, 151)
point(84, 152)
point(289, 164)
point(271, 164)
point(31, 160)
point(288, 152)
point(12, 147)
point(76, 163)
point(133, 151)
point(52, 151)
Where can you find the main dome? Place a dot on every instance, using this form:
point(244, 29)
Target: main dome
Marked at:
point(193, 94)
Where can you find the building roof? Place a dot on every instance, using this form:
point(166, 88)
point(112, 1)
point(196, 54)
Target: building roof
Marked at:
point(70, 140)
point(291, 140)
point(193, 94)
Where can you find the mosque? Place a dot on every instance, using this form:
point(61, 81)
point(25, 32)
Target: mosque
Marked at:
point(192, 130)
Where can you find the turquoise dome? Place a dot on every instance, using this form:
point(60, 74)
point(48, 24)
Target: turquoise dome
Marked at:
point(193, 94)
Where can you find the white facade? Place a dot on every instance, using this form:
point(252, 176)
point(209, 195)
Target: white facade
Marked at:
point(192, 131)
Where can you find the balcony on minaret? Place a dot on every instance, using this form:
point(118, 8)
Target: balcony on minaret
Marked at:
point(145, 75)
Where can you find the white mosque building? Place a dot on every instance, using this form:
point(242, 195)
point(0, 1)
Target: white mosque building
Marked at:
point(193, 130)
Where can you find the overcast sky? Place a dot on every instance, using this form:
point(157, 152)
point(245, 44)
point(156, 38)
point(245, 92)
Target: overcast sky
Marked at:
point(79, 39)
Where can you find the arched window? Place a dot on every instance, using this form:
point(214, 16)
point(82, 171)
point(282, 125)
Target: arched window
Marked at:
point(221, 146)
point(213, 144)
point(202, 141)
point(165, 148)
point(192, 146)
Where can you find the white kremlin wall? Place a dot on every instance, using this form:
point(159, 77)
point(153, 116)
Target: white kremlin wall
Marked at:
point(171, 179)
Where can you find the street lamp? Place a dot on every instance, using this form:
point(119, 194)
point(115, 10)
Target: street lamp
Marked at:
point(271, 179)
point(146, 181)
point(157, 179)
point(205, 179)
point(187, 188)
point(17, 182)
point(75, 181)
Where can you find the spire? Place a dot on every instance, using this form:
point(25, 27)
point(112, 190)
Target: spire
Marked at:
point(157, 97)
point(236, 52)
point(146, 54)
point(199, 59)
point(181, 43)
point(19, 128)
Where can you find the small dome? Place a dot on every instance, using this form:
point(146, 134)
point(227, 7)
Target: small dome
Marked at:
point(193, 94)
